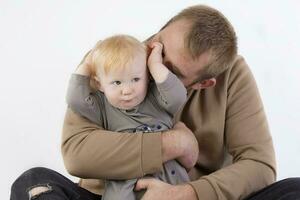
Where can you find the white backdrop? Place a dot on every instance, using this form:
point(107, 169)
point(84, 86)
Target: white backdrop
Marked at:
point(41, 42)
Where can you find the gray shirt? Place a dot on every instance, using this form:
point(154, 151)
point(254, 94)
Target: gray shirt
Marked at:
point(155, 113)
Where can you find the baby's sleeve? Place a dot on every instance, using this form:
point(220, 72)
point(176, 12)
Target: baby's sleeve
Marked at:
point(170, 94)
point(81, 99)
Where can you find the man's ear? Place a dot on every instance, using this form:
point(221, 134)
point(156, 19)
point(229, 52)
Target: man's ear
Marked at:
point(205, 84)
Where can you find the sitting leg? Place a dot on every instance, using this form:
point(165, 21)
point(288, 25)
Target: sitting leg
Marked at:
point(287, 189)
point(42, 183)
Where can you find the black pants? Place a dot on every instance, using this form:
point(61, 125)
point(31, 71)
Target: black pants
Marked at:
point(57, 187)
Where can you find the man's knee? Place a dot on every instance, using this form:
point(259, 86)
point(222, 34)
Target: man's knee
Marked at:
point(293, 183)
point(33, 173)
point(37, 190)
point(32, 183)
point(30, 176)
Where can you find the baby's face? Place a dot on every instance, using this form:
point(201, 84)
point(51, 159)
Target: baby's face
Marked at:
point(126, 88)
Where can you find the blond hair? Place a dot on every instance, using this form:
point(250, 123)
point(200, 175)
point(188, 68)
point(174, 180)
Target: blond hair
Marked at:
point(210, 32)
point(115, 53)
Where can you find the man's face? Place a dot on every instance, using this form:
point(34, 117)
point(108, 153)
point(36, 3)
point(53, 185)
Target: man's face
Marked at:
point(176, 57)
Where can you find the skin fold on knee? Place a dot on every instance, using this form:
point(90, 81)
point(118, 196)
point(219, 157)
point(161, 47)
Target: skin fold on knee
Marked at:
point(37, 190)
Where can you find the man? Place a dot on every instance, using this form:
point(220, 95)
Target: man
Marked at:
point(224, 129)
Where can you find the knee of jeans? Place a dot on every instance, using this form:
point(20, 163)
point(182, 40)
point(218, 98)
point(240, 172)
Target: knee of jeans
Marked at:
point(33, 172)
point(294, 182)
point(37, 190)
point(37, 170)
point(27, 177)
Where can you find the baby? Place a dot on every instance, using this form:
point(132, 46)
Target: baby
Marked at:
point(127, 99)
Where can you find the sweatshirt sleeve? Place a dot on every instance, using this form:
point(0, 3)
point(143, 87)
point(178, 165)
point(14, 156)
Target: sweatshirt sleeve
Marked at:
point(247, 140)
point(170, 94)
point(90, 152)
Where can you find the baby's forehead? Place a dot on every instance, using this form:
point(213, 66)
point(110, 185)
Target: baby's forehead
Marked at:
point(131, 70)
point(120, 58)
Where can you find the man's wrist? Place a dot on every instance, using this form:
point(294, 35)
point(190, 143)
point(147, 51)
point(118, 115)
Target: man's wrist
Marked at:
point(187, 192)
point(180, 143)
point(170, 146)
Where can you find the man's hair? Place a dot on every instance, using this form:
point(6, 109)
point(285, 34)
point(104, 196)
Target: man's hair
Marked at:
point(115, 53)
point(210, 32)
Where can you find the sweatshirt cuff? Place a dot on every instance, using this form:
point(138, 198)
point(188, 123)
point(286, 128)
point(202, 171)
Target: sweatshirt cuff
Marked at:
point(151, 153)
point(168, 83)
point(204, 189)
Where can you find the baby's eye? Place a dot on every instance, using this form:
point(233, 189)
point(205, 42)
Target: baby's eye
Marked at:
point(117, 82)
point(136, 79)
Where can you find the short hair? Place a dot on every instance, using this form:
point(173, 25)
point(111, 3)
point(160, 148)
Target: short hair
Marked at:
point(115, 52)
point(210, 32)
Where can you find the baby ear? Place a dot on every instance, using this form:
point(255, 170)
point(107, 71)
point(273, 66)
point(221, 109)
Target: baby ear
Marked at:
point(95, 83)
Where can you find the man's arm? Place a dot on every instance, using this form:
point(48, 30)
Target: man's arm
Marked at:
point(91, 152)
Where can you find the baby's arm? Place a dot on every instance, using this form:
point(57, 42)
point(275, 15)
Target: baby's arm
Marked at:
point(169, 91)
point(80, 97)
point(157, 69)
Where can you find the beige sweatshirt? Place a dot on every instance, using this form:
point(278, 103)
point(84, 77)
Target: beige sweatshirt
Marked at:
point(236, 156)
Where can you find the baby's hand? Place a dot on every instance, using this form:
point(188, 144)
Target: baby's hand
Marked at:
point(85, 67)
point(88, 59)
point(155, 56)
point(156, 67)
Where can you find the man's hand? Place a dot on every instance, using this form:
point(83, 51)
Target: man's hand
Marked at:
point(160, 190)
point(181, 144)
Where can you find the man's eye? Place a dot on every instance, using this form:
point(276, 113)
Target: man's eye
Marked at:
point(136, 79)
point(117, 82)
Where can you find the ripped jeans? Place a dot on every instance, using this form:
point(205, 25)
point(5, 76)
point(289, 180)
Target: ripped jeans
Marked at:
point(45, 184)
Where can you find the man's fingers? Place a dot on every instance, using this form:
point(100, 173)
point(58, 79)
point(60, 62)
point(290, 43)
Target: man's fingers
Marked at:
point(179, 124)
point(143, 183)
